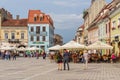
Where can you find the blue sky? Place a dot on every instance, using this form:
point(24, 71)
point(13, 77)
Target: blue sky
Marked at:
point(66, 14)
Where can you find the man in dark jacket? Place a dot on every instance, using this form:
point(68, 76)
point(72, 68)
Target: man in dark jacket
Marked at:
point(66, 59)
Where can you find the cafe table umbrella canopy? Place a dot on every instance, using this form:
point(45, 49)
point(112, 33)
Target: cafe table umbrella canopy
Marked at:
point(72, 45)
point(56, 47)
point(33, 48)
point(6, 48)
point(99, 45)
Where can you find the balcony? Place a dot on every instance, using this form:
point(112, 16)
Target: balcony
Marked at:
point(32, 33)
point(13, 40)
point(43, 33)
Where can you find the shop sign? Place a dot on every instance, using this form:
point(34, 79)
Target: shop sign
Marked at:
point(38, 42)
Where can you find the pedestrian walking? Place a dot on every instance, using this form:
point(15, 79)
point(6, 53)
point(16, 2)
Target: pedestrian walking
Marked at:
point(6, 55)
point(85, 56)
point(44, 55)
point(37, 55)
point(66, 59)
point(59, 61)
point(14, 55)
point(113, 58)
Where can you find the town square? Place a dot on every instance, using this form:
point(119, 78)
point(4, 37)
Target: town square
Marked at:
point(33, 69)
point(60, 40)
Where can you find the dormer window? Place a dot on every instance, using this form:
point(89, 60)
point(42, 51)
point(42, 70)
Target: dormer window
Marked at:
point(35, 17)
point(41, 17)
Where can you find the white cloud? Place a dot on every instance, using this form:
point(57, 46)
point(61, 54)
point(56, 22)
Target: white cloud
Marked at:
point(69, 20)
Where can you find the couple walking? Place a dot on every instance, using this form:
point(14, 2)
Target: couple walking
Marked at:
point(63, 59)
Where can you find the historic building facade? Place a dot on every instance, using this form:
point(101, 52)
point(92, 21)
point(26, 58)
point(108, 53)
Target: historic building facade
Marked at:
point(58, 40)
point(115, 28)
point(40, 30)
point(12, 30)
point(89, 16)
point(79, 37)
point(105, 26)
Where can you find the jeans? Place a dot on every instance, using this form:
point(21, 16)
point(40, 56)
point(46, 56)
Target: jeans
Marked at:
point(66, 62)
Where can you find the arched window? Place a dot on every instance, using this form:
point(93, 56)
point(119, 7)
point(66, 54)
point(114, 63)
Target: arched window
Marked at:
point(35, 17)
point(41, 17)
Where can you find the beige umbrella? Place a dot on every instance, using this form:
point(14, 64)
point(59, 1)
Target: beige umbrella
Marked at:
point(56, 47)
point(73, 44)
point(7, 48)
point(99, 45)
point(32, 48)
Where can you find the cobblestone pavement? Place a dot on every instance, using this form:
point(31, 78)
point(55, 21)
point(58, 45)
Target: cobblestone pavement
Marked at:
point(38, 69)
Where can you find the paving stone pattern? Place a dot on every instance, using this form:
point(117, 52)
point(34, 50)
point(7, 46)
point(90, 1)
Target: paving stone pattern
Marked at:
point(39, 69)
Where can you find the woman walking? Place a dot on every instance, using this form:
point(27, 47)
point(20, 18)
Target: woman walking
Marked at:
point(59, 61)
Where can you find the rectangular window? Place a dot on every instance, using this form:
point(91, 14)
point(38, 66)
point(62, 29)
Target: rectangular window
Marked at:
point(113, 25)
point(44, 29)
point(6, 35)
point(32, 38)
point(12, 35)
point(22, 35)
point(32, 29)
point(43, 38)
point(38, 38)
point(109, 27)
point(38, 29)
point(37, 46)
point(106, 28)
point(119, 21)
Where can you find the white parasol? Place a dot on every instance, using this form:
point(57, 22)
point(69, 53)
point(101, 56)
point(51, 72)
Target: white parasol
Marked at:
point(56, 47)
point(99, 45)
point(73, 44)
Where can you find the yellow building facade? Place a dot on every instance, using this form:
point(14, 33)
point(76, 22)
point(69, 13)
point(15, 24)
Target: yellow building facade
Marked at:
point(14, 34)
point(115, 29)
point(13, 30)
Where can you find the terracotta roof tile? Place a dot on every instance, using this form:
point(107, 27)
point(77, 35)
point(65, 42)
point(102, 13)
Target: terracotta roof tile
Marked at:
point(15, 23)
point(37, 13)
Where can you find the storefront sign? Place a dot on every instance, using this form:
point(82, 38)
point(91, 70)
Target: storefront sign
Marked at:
point(38, 42)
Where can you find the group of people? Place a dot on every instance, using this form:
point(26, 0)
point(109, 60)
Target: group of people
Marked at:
point(65, 59)
point(36, 54)
point(12, 55)
point(83, 57)
point(7, 55)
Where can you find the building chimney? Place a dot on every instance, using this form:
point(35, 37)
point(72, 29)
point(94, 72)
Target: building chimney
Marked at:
point(17, 17)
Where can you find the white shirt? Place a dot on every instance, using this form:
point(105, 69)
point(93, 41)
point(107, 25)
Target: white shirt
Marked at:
point(85, 56)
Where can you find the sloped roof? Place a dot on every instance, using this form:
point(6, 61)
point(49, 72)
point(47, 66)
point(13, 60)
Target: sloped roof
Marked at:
point(38, 13)
point(15, 23)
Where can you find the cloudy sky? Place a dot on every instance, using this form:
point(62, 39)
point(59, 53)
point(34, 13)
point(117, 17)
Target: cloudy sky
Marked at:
point(66, 14)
